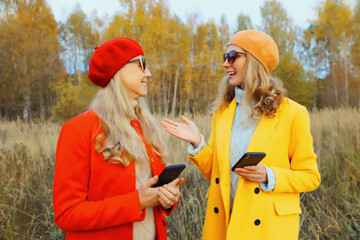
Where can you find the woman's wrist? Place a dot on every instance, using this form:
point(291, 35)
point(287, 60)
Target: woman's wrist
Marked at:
point(265, 178)
point(197, 141)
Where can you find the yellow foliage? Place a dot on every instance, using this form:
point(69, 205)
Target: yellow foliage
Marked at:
point(72, 99)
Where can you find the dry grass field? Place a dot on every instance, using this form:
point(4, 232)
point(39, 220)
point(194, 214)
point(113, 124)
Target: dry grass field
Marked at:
point(27, 160)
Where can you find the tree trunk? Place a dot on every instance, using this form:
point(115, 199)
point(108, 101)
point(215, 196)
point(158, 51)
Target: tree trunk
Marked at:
point(180, 100)
point(41, 100)
point(336, 96)
point(159, 104)
point(314, 69)
point(188, 86)
point(175, 92)
point(315, 93)
point(27, 105)
point(359, 97)
point(188, 83)
point(75, 61)
point(164, 94)
point(346, 76)
point(168, 94)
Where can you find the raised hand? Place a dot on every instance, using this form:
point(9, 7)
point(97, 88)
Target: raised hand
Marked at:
point(149, 196)
point(169, 193)
point(186, 131)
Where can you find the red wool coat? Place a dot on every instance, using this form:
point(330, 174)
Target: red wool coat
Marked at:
point(92, 198)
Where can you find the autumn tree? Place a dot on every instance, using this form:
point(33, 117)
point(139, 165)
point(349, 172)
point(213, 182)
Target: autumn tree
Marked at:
point(332, 35)
point(29, 54)
point(72, 99)
point(44, 64)
point(243, 22)
point(224, 32)
point(277, 24)
point(184, 58)
point(78, 36)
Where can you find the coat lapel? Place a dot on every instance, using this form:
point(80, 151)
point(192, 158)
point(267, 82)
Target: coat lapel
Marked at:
point(224, 133)
point(263, 132)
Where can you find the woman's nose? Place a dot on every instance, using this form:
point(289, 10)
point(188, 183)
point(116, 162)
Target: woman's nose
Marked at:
point(226, 63)
point(147, 73)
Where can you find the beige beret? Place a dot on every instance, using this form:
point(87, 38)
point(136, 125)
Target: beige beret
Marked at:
point(260, 45)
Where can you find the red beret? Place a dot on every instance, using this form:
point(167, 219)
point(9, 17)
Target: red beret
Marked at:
point(110, 57)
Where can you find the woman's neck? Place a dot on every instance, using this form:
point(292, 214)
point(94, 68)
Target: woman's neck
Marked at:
point(134, 103)
point(238, 94)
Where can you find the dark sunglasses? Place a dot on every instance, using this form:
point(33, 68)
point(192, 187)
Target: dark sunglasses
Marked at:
point(232, 55)
point(142, 62)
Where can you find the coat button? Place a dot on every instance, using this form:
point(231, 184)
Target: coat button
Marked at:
point(257, 222)
point(257, 190)
point(216, 210)
point(152, 159)
point(217, 180)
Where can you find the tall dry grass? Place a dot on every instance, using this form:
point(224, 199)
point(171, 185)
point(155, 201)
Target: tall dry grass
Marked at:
point(27, 153)
point(333, 210)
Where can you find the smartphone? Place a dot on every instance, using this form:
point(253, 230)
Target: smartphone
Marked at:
point(169, 174)
point(249, 159)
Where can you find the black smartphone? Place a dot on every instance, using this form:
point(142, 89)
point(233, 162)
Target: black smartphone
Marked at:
point(169, 174)
point(249, 159)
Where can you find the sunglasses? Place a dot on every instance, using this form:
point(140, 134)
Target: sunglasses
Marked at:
point(142, 62)
point(232, 55)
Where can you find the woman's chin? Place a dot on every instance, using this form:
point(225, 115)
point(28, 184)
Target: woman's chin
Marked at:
point(234, 81)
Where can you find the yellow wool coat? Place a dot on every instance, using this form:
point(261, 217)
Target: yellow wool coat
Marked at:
point(256, 214)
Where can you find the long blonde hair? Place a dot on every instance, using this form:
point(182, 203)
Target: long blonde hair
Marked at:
point(267, 91)
point(115, 108)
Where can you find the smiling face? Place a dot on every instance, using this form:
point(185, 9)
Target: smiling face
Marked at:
point(235, 71)
point(134, 78)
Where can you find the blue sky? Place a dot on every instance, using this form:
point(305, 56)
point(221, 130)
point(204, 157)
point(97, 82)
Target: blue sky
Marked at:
point(301, 11)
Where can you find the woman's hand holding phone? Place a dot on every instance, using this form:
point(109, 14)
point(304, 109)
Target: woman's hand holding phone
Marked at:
point(169, 193)
point(148, 196)
point(186, 131)
point(253, 173)
point(153, 192)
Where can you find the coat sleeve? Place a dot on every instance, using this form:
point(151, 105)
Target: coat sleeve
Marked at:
point(203, 160)
point(73, 211)
point(168, 212)
point(303, 175)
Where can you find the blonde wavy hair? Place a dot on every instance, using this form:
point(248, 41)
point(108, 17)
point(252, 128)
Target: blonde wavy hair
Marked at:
point(267, 91)
point(116, 109)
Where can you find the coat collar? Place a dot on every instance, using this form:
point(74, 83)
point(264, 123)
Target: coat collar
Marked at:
point(263, 131)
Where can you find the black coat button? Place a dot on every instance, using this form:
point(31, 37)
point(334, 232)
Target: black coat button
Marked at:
point(257, 222)
point(216, 210)
point(217, 180)
point(257, 190)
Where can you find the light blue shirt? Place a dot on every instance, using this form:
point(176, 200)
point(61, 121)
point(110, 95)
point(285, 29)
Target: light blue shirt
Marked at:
point(241, 133)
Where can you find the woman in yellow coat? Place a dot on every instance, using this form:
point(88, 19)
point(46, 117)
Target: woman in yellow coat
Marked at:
point(253, 114)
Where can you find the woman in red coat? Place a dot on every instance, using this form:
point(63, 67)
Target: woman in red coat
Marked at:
point(108, 157)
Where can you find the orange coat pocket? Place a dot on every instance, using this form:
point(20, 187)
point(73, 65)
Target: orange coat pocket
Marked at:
point(287, 208)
